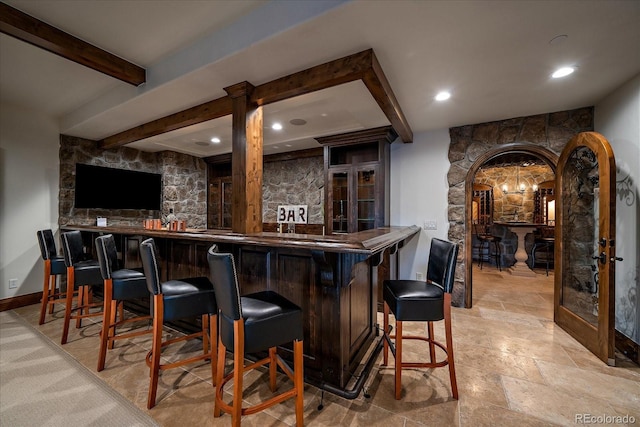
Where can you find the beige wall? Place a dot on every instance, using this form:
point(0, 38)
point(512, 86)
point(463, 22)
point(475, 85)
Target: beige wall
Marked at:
point(28, 195)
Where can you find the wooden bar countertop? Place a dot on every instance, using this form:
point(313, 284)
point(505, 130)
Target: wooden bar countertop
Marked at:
point(363, 242)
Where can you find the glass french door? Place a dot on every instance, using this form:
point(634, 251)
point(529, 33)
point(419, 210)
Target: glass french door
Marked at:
point(585, 243)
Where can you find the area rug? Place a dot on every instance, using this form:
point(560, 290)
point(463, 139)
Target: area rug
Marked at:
point(41, 385)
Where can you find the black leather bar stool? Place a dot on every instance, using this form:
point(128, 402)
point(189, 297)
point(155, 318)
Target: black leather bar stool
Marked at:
point(419, 301)
point(251, 324)
point(172, 300)
point(119, 285)
point(487, 239)
point(545, 245)
point(82, 275)
point(54, 266)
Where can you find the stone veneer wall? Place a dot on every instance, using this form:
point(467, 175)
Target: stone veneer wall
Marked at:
point(506, 205)
point(184, 183)
point(551, 131)
point(294, 182)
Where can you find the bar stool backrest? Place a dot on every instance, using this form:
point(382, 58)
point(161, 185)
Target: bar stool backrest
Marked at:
point(107, 255)
point(150, 265)
point(72, 247)
point(225, 283)
point(47, 244)
point(442, 263)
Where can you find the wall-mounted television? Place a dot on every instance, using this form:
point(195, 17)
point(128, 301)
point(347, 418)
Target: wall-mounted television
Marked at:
point(100, 187)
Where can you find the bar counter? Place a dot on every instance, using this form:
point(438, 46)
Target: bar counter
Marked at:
point(334, 279)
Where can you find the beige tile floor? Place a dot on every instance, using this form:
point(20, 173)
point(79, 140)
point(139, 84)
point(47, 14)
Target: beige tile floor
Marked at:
point(515, 367)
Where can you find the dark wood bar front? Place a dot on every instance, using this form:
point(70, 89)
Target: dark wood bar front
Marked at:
point(333, 278)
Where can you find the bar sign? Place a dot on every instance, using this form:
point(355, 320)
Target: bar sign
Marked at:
point(296, 214)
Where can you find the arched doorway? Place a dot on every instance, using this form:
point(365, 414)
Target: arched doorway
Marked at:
point(547, 156)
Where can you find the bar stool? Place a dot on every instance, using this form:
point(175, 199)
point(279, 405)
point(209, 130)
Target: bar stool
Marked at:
point(172, 300)
point(54, 266)
point(82, 275)
point(546, 245)
point(119, 285)
point(486, 238)
point(419, 301)
point(250, 324)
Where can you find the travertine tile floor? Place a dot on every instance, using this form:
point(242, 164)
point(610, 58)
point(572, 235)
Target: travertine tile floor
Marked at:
point(515, 367)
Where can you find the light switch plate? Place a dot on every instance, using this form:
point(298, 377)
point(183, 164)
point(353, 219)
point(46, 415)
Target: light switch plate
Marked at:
point(430, 224)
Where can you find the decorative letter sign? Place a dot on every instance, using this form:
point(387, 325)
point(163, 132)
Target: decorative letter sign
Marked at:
point(296, 214)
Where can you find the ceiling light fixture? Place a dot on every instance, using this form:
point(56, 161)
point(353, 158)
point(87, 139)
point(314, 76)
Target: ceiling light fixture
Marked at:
point(562, 72)
point(276, 126)
point(215, 140)
point(298, 122)
point(442, 96)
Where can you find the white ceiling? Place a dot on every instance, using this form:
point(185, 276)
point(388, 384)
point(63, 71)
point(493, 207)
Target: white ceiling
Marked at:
point(494, 56)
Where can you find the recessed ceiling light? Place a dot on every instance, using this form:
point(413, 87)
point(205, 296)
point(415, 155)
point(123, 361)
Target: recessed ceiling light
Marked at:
point(202, 143)
point(215, 140)
point(442, 96)
point(298, 122)
point(562, 72)
point(276, 126)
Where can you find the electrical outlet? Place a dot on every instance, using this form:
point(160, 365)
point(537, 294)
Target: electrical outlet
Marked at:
point(430, 224)
point(419, 276)
point(13, 283)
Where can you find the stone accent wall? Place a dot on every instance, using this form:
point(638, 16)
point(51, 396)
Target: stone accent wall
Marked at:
point(184, 183)
point(294, 182)
point(506, 205)
point(551, 131)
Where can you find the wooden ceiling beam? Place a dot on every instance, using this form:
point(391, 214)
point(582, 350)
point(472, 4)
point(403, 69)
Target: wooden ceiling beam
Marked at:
point(329, 74)
point(24, 27)
point(200, 113)
point(360, 66)
point(380, 89)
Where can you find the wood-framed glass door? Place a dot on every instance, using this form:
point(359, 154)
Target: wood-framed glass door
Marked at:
point(585, 243)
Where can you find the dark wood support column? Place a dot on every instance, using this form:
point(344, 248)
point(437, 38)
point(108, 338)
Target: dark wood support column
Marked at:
point(246, 163)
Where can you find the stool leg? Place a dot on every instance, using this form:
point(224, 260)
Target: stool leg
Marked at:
point(115, 305)
point(45, 290)
point(106, 324)
point(158, 314)
point(52, 292)
point(432, 346)
point(385, 323)
point(273, 368)
point(449, 338)
point(81, 304)
point(213, 340)
point(205, 334)
point(68, 302)
point(222, 351)
point(298, 377)
point(547, 255)
point(498, 256)
point(398, 361)
point(238, 371)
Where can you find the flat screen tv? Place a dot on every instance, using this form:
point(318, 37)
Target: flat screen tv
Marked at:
point(99, 187)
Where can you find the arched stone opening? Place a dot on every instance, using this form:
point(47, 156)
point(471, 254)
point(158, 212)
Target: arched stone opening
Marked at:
point(547, 156)
point(543, 135)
